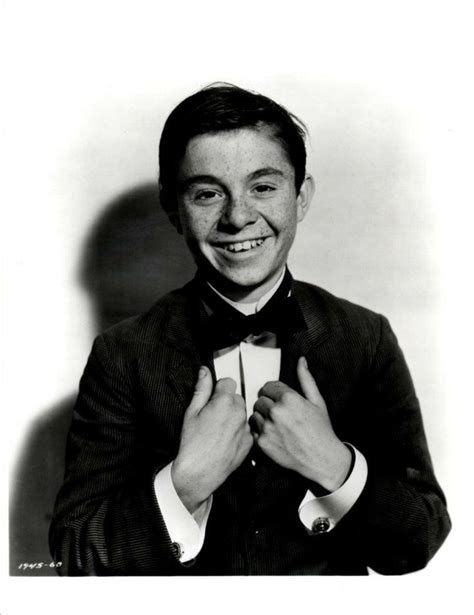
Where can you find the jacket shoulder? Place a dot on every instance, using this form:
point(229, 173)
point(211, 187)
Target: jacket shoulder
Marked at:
point(349, 330)
point(336, 310)
point(148, 327)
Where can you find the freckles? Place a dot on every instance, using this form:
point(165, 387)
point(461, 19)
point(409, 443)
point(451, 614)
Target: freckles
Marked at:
point(199, 223)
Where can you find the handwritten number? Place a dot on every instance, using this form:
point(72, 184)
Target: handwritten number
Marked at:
point(38, 565)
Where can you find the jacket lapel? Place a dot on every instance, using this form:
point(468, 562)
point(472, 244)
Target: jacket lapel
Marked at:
point(305, 342)
point(186, 353)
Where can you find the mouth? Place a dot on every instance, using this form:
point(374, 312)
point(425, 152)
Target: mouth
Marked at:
point(242, 246)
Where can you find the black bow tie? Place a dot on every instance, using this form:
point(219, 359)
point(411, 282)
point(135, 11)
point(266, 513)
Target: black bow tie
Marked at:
point(226, 326)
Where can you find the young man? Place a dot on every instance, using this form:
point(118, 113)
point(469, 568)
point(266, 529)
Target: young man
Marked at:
point(248, 423)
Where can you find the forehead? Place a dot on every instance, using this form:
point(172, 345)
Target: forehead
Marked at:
point(241, 151)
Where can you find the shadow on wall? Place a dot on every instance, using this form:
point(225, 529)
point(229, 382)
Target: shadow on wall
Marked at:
point(131, 257)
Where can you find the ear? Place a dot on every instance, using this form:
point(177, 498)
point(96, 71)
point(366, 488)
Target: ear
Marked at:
point(173, 217)
point(305, 196)
point(171, 209)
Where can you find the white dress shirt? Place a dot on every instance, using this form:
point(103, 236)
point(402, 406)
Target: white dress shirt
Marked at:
point(257, 359)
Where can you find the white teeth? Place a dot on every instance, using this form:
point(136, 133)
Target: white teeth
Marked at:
point(244, 245)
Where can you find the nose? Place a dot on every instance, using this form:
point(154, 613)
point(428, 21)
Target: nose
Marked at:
point(239, 212)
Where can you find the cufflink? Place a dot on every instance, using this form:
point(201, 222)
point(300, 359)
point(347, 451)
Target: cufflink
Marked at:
point(177, 549)
point(320, 525)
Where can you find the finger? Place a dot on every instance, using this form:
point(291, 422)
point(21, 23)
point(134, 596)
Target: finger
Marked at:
point(307, 382)
point(274, 390)
point(225, 385)
point(256, 422)
point(202, 391)
point(263, 405)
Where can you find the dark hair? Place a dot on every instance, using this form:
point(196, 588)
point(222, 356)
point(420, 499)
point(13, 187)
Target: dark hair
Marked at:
point(222, 107)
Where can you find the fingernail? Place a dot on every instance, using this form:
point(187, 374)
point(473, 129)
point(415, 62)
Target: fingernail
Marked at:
point(202, 372)
point(304, 362)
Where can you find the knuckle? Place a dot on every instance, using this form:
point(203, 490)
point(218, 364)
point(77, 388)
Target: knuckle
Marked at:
point(267, 386)
point(229, 381)
point(288, 398)
point(227, 399)
point(225, 385)
point(276, 412)
point(264, 426)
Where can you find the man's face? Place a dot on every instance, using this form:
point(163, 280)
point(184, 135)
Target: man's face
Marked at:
point(238, 208)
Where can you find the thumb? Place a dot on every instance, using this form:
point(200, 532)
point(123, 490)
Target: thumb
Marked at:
point(202, 391)
point(308, 383)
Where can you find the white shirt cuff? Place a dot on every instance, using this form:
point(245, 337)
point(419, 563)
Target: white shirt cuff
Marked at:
point(185, 529)
point(331, 508)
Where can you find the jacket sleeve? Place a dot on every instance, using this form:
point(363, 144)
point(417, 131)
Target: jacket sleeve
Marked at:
point(107, 520)
point(401, 518)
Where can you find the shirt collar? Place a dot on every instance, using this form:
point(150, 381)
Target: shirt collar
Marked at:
point(251, 308)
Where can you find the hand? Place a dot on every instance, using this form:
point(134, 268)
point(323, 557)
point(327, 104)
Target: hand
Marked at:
point(215, 439)
point(296, 432)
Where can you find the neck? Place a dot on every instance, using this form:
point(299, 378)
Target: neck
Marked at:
point(245, 294)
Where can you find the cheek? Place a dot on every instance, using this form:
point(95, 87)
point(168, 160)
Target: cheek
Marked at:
point(196, 224)
point(283, 217)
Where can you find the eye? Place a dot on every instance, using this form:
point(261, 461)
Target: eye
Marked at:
point(206, 195)
point(264, 188)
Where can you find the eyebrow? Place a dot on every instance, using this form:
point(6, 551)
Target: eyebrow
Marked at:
point(266, 171)
point(211, 179)
point(186, 183)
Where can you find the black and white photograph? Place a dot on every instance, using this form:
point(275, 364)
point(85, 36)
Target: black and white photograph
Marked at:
point(235, 307)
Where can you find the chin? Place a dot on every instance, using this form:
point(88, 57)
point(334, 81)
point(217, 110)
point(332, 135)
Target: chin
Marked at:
point(243, 282)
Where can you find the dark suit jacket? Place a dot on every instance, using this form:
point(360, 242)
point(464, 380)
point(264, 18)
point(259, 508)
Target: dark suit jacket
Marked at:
point(126, 426)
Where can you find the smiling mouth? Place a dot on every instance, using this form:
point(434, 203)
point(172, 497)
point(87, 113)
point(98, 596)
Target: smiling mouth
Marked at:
point(243, 246)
